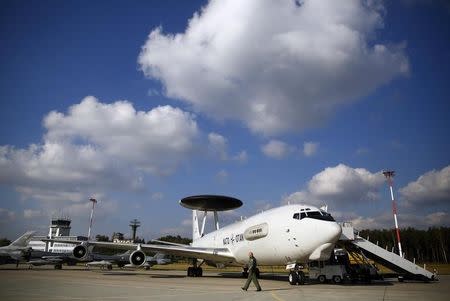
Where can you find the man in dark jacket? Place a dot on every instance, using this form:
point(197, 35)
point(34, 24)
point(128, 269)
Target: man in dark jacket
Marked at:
point(252, 264)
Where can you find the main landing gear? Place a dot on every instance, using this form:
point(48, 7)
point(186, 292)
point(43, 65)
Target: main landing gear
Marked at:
point(296, 276)
point(195, 271)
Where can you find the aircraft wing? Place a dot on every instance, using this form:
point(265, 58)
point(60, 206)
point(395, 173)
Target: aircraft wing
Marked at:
point(213, 254)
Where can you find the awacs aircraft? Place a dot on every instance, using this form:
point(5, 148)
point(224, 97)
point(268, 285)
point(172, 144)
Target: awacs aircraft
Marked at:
point(18, 250)
point(288, 235)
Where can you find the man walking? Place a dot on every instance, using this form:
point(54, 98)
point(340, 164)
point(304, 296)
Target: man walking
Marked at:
point(252, 264)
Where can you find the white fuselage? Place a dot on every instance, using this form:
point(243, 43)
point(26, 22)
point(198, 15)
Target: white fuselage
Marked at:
point(276, 237)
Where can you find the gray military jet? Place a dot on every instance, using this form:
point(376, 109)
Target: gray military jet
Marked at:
point(18, 250)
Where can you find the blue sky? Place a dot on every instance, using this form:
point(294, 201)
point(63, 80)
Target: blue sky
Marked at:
point(142, 104)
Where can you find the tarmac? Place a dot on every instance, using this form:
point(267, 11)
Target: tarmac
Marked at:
point(77, 283)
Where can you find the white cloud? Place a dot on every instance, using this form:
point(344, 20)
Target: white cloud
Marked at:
point(31, 213)
point(347, 188)
point(276, 149)
point(218, 147)
point(96, 147)
point(340, 185)
point(274, 65)
point(242, 157)
point(310, 148)
point(431, 188)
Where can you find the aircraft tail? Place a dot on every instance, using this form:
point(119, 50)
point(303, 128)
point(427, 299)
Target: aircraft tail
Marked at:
point(195, 228)
point(23, 240)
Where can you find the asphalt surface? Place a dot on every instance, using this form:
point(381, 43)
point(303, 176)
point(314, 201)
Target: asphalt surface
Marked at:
point(77, 283)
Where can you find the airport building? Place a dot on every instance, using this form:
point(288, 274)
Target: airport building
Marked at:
point(59, 229)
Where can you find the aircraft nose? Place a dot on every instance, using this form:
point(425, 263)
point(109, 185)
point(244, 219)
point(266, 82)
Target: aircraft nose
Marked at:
point(335, 231)
point(331, 234)
point(331, 231)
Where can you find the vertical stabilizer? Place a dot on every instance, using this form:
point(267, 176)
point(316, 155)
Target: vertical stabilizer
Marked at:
point(195, 229)
point(23, 240)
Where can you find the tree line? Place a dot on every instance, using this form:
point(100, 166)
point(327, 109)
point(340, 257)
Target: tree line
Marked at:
point(431, 245)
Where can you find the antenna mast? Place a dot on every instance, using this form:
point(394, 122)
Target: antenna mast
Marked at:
point(134, 224)
point(389, 174)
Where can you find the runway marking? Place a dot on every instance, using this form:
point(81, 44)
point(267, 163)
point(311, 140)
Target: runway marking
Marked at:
point(275, 296)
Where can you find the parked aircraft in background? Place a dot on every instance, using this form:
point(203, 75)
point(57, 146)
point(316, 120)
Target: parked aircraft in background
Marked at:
point(288, 235)
point(40, 258)
point(18, 250)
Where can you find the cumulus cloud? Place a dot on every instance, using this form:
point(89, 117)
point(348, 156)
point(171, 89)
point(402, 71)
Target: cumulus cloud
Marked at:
point(310, 148)
point(430, 189)
point(339, 185)
point(218, 147)
point(344, 188)
point(98, 146)
point(274, 65)
point(276, 149)
point(242, 157)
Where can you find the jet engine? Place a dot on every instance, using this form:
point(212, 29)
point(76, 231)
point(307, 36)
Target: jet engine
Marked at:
point(80, 252)
point(138, 258)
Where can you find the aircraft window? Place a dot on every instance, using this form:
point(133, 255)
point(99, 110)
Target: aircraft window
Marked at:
point(322, 216)
point(296, 216)
point(302, 215)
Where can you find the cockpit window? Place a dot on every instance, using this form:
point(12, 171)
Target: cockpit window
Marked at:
point(321, 215)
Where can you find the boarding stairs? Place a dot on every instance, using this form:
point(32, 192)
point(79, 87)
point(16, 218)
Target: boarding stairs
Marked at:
point(407, 269)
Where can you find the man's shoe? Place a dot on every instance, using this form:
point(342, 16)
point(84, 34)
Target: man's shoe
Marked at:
point(244, 289)
point(258, 290)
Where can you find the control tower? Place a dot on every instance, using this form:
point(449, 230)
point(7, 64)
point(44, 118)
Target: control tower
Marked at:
point(59, 227)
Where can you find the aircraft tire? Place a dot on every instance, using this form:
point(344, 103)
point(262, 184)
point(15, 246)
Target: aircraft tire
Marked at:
point(301, 277)
point(190, 272)
point(337, 279)
point(109, 267)
point(322, 279)
point(199, 272)
point(293, 278)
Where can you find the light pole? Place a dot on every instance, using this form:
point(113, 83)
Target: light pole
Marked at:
point(389, 174)
point(92, 216)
